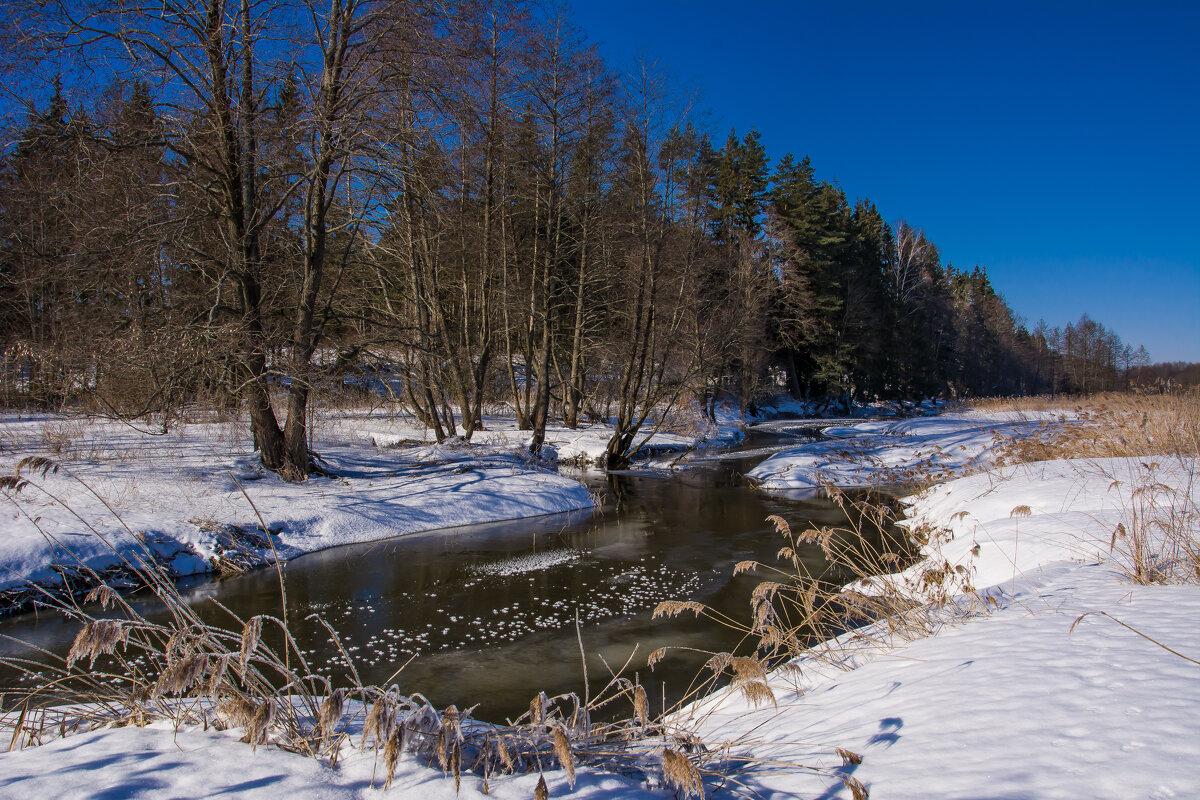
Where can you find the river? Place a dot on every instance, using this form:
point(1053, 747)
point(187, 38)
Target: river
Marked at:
point(487, 614)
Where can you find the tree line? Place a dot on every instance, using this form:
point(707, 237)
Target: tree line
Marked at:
point(460, 204)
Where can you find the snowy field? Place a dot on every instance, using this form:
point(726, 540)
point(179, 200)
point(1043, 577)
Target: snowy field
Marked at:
point(1075, 683)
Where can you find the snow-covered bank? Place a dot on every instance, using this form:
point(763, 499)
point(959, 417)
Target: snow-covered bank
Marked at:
point(1018, 704)
point(194, 497)
point(1063, 679)
point(893, 451)
point(197, 493)
point(158, 762)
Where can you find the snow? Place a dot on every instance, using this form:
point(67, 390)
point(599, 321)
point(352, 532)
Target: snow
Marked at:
point(199, 491)
point(530, 562)
point(1062, 686)
point(159, 762)
point(1012, 705)
point(1048, 694)
point(181, 493)
point(893, 451)
point(1064, 510)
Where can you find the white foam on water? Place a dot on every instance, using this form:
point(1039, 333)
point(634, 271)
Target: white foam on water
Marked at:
point(531, 562)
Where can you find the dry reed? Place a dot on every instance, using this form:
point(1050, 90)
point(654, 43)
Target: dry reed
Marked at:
point(1158, 540)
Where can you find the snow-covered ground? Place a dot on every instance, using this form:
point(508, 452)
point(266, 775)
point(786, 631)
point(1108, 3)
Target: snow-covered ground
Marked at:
point(182, 492)
point(199, 491)
point(1011, 705)
point(1022, 701)
point(893, 451)
point(1025, 701)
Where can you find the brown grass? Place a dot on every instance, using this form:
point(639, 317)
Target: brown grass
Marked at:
point(1107, 426)
point(1159, 539)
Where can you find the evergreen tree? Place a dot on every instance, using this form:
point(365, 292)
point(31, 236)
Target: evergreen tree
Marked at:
point(812, 226)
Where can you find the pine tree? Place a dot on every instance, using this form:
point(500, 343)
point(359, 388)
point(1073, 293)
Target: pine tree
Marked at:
point(812, 226)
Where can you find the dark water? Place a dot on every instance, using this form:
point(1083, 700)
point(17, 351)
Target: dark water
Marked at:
point(486, 614)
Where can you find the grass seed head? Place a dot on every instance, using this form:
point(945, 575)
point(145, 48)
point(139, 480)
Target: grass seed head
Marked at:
point(380, 724)
point(391, 753)
point(260, 723)
point(11, 484)
point(781, 525)
point(39, 464)
point(673, 608)
point(562, 751)
point(456, 765)
point(681, 774)
point(104, 594)
point(237, 710)
point(182, 674)
point(747, 669)
point(98, 637)
point(220, 664)
point(505, 757)
point(857, 790)
point(330, 713)
point(655, 657)
point(537, 709)
point(849, 757)
point(748, 566)
point(719, 662)
point(641, 706)
point(251, 633)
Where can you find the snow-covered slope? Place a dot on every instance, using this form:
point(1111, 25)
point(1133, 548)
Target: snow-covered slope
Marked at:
point(193, 493)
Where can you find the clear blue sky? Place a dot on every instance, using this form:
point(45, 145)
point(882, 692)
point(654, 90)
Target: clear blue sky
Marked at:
point(1055, 143)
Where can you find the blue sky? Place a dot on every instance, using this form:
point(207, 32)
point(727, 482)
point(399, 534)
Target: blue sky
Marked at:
point(1055, 143)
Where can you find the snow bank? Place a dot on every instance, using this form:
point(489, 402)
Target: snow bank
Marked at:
point(1013, 705)
point(196, 494)
point(120, 494)
point(1012, 520)
point(1048, 696)
point(158, 761)
point(893, 451)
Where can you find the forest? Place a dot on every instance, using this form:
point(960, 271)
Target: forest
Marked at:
point(459, 205)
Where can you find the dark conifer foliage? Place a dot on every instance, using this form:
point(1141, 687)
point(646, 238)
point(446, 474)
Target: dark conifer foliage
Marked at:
point(457, 205)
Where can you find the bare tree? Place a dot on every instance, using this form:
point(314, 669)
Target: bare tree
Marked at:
point(217, 67)
point(651, 362)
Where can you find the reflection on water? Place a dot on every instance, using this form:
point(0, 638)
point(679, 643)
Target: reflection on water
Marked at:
point(486, 614)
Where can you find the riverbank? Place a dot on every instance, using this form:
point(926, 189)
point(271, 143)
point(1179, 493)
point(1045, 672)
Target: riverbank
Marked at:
point(1066, 663)
point(102, 494)
point(196, 499)
point(1061, 678)
point(1014, 696)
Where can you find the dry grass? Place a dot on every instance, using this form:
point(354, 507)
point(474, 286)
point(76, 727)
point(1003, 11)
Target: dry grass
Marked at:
point(1108, 426)
point(794, 614)
point(798, 620)
point(1158, 540)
